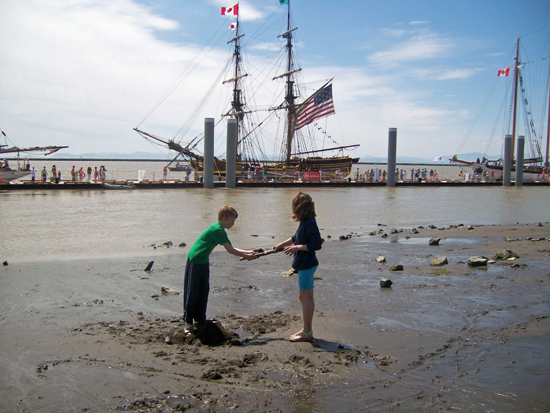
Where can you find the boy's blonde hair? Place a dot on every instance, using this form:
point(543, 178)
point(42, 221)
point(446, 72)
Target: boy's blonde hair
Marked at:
point(227, 211)
point(303, 207)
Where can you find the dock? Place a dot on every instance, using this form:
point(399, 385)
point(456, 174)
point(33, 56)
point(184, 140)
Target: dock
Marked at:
point(180, 184)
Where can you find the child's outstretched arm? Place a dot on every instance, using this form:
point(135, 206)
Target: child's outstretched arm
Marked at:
point(282, 245)
point(294, 248)
point(245, 254)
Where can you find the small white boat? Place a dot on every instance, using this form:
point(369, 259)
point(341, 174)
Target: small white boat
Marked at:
point(118, 186)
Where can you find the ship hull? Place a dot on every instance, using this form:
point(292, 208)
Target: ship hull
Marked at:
point(328, 165)
point(8, 175)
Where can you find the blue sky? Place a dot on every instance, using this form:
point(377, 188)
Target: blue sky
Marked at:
point(84, 73)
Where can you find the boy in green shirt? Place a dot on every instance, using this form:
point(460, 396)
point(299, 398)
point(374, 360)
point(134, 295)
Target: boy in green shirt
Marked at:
point(196, 284)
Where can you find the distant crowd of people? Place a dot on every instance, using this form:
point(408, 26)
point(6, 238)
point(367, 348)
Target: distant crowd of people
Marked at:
point(258, 173)
point(95, 175)
point(381, 175)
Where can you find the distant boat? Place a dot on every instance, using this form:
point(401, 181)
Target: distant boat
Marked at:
point(7, 173)
point(533, 165)
point(297, 121)
point(118, 186)
point(181, 167)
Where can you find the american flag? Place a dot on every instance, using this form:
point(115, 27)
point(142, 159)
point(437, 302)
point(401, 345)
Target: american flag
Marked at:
point(321, 105)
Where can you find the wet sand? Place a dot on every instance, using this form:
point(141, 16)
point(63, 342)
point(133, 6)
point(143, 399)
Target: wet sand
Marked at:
point(99, 335)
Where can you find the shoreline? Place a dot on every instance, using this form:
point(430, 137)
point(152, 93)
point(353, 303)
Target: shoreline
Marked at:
point(91, 334)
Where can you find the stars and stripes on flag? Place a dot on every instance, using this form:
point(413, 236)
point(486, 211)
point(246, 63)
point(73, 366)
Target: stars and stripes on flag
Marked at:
point(504, 72)
point(233, 26)
point(226, 11)
point(319, 106)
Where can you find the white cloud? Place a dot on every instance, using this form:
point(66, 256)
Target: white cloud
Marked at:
point(395, 32)
point(442, 73)
point(90, 70)
point(266, 46)
point(421, 46)
point(84, 73)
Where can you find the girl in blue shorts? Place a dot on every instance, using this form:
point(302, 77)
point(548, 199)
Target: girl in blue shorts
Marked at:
point(303, 245)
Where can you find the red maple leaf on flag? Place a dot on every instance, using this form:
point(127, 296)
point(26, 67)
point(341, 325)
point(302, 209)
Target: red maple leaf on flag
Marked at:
point(230, 10)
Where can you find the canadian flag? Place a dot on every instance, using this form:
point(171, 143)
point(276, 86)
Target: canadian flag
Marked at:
point(504, 72)
point(231, 10)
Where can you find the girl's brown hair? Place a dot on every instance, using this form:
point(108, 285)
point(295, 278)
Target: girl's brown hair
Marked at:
point(303, 207)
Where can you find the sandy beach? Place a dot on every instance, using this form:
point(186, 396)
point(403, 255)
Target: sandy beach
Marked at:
point(100, 335)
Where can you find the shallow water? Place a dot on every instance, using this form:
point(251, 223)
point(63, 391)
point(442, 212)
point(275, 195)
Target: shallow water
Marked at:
point(40, 224)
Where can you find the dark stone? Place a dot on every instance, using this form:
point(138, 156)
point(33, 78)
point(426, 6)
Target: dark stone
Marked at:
point(504, 255)
point(438, 262)
point(434, 241)
point(149, 266)
point(385, 283)
point(397, 267)
point(477, 261)
point(212, 375)
point(5, 263)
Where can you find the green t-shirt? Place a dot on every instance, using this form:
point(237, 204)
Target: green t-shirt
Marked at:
point(213, 235)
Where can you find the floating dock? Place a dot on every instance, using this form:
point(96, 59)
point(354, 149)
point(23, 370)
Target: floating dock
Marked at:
point(179, 184)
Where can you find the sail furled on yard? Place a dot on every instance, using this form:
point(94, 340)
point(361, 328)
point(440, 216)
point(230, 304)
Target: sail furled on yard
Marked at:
point(317, 106)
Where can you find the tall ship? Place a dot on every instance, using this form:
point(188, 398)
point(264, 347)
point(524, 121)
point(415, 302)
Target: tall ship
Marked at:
point(536, 125)
point(292, 125)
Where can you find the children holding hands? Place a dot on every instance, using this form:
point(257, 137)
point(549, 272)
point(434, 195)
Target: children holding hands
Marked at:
point(302, 245)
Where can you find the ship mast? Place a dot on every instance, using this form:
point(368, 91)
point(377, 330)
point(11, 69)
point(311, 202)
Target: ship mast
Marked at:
point(289, 96)
point(516, 76)
point(548, 122)
point(237, 105)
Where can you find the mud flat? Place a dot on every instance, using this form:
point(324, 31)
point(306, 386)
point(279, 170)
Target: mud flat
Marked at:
point(99, 335)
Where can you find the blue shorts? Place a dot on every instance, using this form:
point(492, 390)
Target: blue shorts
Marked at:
point(305, 278)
